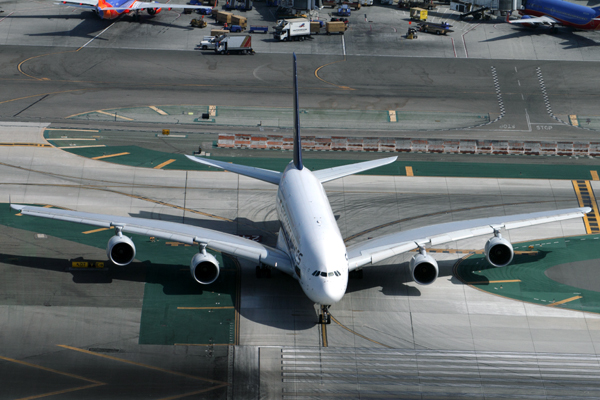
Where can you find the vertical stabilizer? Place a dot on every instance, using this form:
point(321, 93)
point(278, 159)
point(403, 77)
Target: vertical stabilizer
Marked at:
point(297, 142)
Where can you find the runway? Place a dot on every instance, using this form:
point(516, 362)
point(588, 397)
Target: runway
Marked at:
point(383, 310)
point(147, 331)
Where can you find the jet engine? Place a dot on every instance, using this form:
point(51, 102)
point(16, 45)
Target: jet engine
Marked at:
point(120, 250)
point(424, 268)
point(153, 11)
point(498, 251)
point(204, 268)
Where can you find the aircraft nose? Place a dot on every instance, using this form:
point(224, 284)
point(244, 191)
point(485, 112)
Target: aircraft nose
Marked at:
point(329, 292)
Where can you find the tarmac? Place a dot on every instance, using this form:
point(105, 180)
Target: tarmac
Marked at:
point(76, 327)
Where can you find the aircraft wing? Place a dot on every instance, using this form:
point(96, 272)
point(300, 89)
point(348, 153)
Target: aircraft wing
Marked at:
point(543, 20)
point(224, 242)
point(329, 174)
point(88, 4)
point(375, 250)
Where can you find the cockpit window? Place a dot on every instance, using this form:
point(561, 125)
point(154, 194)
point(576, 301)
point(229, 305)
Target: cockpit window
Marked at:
point(326, 274)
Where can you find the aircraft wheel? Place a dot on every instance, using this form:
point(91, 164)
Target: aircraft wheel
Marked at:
point(437, 33)
point(425, 30)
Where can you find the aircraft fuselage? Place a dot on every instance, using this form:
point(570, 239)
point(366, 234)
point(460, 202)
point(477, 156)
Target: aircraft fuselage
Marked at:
point(310, 235)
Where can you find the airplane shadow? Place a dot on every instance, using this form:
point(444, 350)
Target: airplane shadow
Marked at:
point(571, 37)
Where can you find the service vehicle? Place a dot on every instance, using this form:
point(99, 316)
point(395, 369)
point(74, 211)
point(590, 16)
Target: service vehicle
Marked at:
point(335, 27)
point(292, 29)
point(233, 28)
point(262, 29)
point(208, 43)
point(227, 44)
point(315, 27)
point(330, 3)
point(438, 29)
point(198, 23)
point(366, 2)
point(418, 14)
point(344, 11)
point(355, 5)
point(428, 4)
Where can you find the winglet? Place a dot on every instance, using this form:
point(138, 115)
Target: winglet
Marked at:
point(297, 141)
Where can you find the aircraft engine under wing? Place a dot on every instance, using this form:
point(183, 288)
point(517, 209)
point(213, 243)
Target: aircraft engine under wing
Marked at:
point(375, 250)
point(188, 234)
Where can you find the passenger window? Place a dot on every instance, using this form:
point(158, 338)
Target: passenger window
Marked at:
point(323, 273)
point(316, 273)
point(337, 273)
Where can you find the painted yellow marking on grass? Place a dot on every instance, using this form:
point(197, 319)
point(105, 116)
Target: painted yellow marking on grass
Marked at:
point(95, 230)
point(159, 166)
point(158, 110)
point(175, 244)
point(409, 171)
point(113, 115)
point(206, 308)
point(109, 155)
point(594, 175)
point(142, 365)
point(82, 147)
point(212, 111)
point(574, 120)
point(486, 282)
point(94, 383)
point(557, 303)
point(392, 115)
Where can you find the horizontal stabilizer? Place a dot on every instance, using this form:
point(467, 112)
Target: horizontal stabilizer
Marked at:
point(257, 173)
point(329, 174)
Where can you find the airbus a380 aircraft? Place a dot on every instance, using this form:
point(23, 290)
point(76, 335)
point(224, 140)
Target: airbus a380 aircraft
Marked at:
point(558, 12)
point(111, 9)
point(310, 247)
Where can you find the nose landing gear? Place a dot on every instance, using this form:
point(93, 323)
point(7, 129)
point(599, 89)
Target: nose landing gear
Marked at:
point(325, 317)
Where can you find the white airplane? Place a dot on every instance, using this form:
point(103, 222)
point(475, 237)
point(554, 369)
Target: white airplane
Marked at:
point(111, 9)
point(310, 247)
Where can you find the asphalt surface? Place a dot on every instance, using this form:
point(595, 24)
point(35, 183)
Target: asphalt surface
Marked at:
point(72, 335)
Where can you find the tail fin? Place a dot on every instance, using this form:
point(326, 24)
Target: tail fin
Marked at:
point(297, 141)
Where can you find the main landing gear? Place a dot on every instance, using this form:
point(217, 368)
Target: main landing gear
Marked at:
point(325, 317)
point(263, 271)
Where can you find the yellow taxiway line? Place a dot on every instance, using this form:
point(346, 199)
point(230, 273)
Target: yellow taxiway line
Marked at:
point(109, 155)
point(159, 166)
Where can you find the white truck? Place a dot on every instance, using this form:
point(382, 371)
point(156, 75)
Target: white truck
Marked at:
point(292, 29)
point(208, 42)
point(227, 44)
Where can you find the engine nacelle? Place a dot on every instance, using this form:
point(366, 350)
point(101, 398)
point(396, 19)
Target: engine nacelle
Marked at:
point(153, 11)
point(424, 269)
point(120, 250)
point(498, 251)
point(204, 268)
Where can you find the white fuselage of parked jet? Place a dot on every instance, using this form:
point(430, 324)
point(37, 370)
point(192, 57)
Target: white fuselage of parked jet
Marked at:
point(311, 236)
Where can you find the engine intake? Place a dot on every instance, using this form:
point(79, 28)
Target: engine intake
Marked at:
point(153, 11)
point(120, 250)
point(424, 269)
point(204, 268)
point(498, 251)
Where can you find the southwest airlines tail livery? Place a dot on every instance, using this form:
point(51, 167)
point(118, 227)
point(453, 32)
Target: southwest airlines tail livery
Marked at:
point(111, 9)
point(310, 247)
point(558, 12)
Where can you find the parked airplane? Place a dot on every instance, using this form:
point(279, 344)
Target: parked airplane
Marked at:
point(310, 246)
point(111, 9)
point(558, 12)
